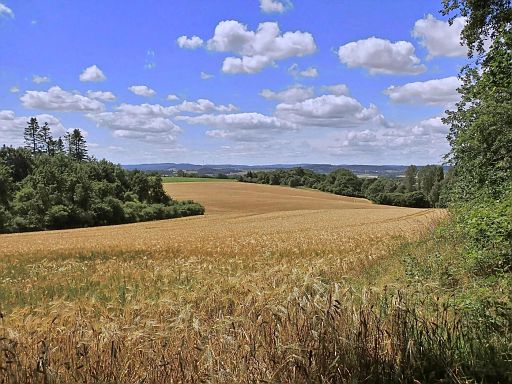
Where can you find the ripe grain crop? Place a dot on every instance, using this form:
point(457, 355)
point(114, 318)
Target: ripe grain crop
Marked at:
point(241, 294)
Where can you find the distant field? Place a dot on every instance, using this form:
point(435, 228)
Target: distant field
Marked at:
point(168, 179)
point(231, 296)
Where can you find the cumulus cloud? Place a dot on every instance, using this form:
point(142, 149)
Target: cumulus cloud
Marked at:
point(172, 97)
point(241, 126)
point(57, 99)
point(381, 56)
point(424, 141)
point(439, 37)
point(310, 72)
point(14, 89)
point(101, 95)
point(206, 76)
point(292, 94)
point(157, 110)
point(92, 73)
point(336, 89)
point(274, 6)
point(129, 124)
point(294, 70)
point(189, 42)
point(12, 126)
point(203, 106)
point(257, 49)
point(142, 90)
point(40, 79)
point(330, 111)
point(431, 92)
point(6, 11)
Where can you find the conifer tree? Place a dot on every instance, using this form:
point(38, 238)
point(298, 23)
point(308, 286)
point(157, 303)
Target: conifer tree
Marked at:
point(59, 145)
point(46, 139)
point(32, 136)
point(77, 145)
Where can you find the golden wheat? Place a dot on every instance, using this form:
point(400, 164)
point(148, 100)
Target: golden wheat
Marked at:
point(194, 299)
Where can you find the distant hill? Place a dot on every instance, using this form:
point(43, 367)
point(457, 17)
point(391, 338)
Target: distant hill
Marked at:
point(232, 169)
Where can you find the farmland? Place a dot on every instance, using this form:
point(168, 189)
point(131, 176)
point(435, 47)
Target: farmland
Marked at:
point(179, 179)
point(178, 299)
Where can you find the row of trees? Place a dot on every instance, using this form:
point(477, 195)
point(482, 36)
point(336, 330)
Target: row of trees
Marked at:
point(44, 187)
point(39, 140)
point(421, 187)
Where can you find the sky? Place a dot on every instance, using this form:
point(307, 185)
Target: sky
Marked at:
point(234, 81)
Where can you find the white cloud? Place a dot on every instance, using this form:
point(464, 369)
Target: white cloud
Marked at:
point(310, 72)
point(241, 126)
point(432, 92)
point(14, 89)
point(330, 111)
point(289, 95)
point(40, 79)
point(423, 142)
point(274, 6)
point(12, 126)
point(157, 110)
point(172, 97)
point(258, 49)
point(203, 106)
point(147, 110)
point(6, 11)
point(128, 124)
point(92, 73)
point(101, 95)
point(142, 90)
point(381, 56)
point(206, 76)
point(337, 89)
point(56, 99)
point(439, 37)
point(294, 70)
point(189, 43)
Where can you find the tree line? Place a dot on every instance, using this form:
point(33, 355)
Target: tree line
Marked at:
point(421, 187)
point(53, 184)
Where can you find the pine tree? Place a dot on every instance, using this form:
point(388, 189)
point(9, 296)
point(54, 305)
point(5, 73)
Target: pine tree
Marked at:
point(32, 136)
point(59, 146)
point(77, 145)
point(46, 139)
point(67, 144)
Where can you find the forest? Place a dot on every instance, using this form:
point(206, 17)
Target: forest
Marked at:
point(421, 187)
point(54, 184)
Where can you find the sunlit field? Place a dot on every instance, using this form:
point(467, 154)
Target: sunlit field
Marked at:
point(237, 295)
point(180, 179)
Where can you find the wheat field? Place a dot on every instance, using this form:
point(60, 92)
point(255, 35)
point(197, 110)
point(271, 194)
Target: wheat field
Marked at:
point(237, 295)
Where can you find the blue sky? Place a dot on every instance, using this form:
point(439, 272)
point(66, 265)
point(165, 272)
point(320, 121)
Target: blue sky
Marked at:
point(237, 81)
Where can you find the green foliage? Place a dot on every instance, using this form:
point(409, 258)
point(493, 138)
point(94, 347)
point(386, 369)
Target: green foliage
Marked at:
point(6, 184)
point(485, 18)
point(19, 160)
point(486, 224)
point(411, 199)
point(410, 178)
point(47, 189)
point(382, 190)
point(342, 182)
point(77, 148)
point(480, 134)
